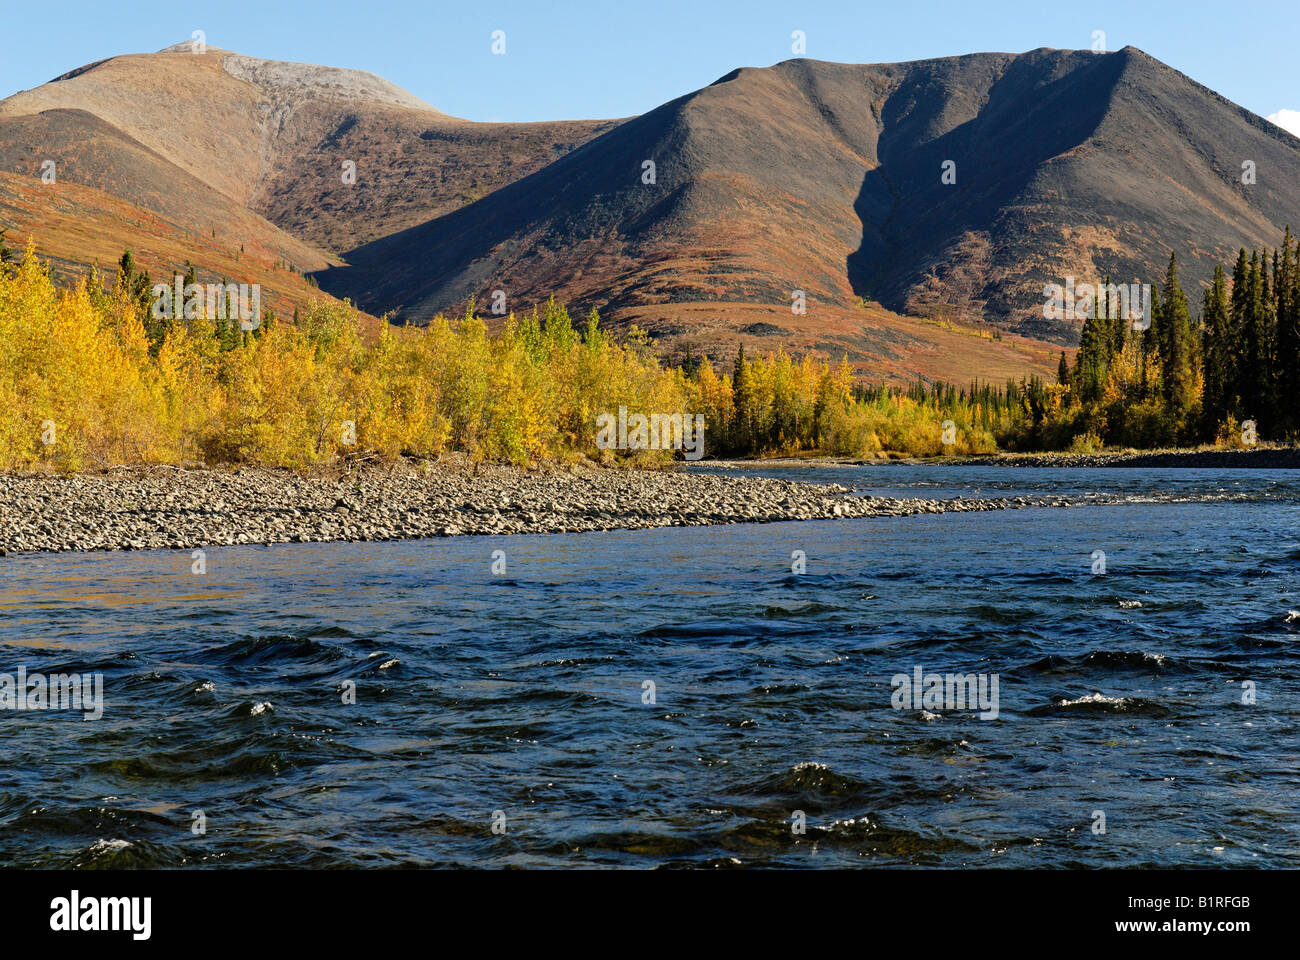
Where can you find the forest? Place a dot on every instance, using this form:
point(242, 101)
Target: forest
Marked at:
point(92, 376)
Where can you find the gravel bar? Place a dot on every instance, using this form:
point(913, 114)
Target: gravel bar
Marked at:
point(161, 508)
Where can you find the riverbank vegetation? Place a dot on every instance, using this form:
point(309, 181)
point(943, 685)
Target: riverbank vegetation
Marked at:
point(1227, 374)
point(90, 377)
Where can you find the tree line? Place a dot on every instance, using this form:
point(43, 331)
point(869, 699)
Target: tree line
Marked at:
point(126, 386)
point(1175, 379)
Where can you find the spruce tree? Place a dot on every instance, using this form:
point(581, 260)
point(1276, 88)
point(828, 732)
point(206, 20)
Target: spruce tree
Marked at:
point(1255, 346)
point(126, 267)
point(1119, 327)
point(1176, 362)
point(1237, 340)
point(1091, 361)
point(1265, 376)
point(225, 330)
point(1216, 343)
point(1115, 325)
point(1287, 369)
point(744, 429)
point(137, 286)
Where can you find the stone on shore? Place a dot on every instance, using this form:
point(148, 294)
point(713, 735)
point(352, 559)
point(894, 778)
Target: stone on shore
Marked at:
point(164, 507)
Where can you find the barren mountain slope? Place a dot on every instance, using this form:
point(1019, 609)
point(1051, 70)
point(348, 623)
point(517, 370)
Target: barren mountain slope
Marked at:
point(828, 179)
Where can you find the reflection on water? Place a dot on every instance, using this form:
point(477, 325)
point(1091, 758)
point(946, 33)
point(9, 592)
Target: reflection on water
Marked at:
point(523, 693)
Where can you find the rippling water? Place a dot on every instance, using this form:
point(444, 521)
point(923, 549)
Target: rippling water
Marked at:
point(523, 693)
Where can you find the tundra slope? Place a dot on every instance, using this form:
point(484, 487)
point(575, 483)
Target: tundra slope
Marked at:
point(220, 143)
point(827, 178)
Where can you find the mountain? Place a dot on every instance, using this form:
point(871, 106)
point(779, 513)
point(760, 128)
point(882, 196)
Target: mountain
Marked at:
point(827, 178)
point(807, 179)
point(195, 151)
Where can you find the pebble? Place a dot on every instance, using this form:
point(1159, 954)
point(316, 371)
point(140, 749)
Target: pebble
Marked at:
point(150, 508)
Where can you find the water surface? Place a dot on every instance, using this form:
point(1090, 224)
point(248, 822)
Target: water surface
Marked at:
point(524, 693)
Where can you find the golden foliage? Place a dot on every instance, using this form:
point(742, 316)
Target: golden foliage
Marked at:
point(85, 381)
point(300, 394)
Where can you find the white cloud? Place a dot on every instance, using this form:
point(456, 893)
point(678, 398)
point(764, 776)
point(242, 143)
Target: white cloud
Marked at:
point(1287, 120)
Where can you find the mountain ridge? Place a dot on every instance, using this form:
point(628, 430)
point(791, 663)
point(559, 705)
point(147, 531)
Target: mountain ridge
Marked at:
point(807, 181)
point(1066, 199)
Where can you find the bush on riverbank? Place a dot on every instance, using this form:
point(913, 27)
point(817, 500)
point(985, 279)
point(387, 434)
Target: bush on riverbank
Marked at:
point(84, 382)
point(781, 406)
point(89, 378)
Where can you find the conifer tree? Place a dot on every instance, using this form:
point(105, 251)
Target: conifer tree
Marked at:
point(1237, 339)
point(1287, 371)
point(1265, 376)
point(1216, 344)
point(1255, 348)
point(126, 266)
point(227, 331)
point(1119, 325)
point(1090, 362)
point(1151, 345)
point(742, 390)
point(1176, 362)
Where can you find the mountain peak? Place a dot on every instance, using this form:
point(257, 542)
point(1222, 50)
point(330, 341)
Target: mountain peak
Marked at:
point(305, 81)
point(187, 46)
point(950, 188)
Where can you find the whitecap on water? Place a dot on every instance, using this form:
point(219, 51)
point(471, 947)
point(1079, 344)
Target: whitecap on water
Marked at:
point(1093, 698)
point(107, 846)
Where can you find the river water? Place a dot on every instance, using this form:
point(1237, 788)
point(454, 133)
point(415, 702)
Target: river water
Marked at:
point(681, 697)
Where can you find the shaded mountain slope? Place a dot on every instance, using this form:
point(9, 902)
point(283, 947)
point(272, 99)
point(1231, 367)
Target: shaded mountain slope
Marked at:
point(827, 178)
point(807, 183)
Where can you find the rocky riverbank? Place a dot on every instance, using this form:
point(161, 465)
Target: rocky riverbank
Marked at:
point(154, 508)
point(1256, 458)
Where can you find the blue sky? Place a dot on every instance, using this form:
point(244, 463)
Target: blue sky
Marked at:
point(618, 57)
